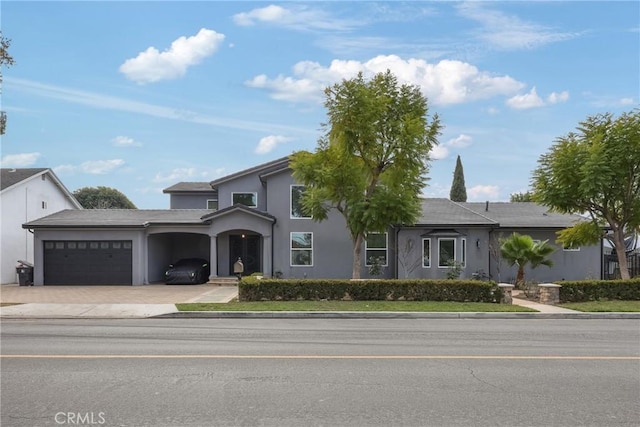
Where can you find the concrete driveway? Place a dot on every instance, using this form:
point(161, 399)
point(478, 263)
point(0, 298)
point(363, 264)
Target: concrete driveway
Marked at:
point(147, 294)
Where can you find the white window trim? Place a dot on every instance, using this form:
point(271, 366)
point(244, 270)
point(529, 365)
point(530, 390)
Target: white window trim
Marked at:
point(291, 248)
point(291, 203)
point(463, 252)
point(386, 250)
point(428, 239)
point(213, 200)
point(455, 255)
point(245, 192)
point(577, 249)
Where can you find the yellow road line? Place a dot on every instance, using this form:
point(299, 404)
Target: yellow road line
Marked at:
point(306, 357)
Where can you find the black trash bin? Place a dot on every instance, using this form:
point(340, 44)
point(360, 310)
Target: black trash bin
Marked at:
point(25, 275)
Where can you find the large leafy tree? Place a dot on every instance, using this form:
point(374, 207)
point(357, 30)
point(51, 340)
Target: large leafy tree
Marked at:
point(372, 160)
point(521, 250)
point(102, 198)
point(595, 171)
point(527, 196)
point(5, 60)
point(458, 192)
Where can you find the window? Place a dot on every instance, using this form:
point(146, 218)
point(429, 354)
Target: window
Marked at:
point(463, 255)
point(71, 245)
point(247, 199)
point(426, 253)
point(301, 249)
point(571, 248)
point(212, 204)
point(44, 204)
point(375, 246)
point(296, 202)
point(446, 252)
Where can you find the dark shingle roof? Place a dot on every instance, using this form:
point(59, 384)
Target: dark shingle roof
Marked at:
point(236, 208)
point(189, 187)
point(263, 169)
point(10, 177)
point(523, 215)
point(444, 212)
point(119, 218)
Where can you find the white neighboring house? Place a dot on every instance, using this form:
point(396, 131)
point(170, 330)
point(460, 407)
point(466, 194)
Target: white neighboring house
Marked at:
point(26, 195)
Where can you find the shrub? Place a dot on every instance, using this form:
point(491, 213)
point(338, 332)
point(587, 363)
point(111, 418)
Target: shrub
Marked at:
point(594, 290)
point(368, 290)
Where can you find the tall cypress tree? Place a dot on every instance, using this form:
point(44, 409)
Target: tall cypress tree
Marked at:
point(458, 191)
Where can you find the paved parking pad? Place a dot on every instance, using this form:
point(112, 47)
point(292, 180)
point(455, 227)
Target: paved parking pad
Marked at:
point(147, 294)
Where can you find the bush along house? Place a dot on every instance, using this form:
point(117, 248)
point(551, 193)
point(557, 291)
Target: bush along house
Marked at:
point(256, 215)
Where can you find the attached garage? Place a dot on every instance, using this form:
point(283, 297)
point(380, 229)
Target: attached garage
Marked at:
point(115, 246)
point(88, 262)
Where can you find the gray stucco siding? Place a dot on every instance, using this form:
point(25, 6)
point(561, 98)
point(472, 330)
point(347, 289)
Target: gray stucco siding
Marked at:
point(191, 201)
point(245, 184)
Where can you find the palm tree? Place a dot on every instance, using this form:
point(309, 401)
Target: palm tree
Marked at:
point(521, 250)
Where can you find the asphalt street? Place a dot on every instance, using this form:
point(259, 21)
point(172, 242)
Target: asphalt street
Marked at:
point(313, 372)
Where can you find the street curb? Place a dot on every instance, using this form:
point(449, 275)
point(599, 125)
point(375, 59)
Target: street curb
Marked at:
point(386, 315)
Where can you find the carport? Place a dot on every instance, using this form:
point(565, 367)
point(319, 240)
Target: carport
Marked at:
point(164, 248)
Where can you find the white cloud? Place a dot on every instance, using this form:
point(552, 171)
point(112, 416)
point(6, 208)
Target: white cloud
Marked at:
point(152, 65)
point(439, 152)
point(626, 101)
point(555, 97)
point(460, 141)
point(483, 192)
point(447, 82)
point(297, 17)
point(528, 100)
point(107, 102)
point(510, 32)
point(268, 143)
point(100, 167)
point(176, 175)
point(92, 167)
point(19, 160)
point(125, 141)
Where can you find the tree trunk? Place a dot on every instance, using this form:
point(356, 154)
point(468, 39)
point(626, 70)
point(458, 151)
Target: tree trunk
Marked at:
point(357, 249)
point(618, 242)
point(520, 277)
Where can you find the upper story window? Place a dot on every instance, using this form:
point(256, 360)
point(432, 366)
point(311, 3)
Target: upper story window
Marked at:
point(297, 192)
point(247, 199)
point(571, 248)
point(376, 248)
point(212, 204)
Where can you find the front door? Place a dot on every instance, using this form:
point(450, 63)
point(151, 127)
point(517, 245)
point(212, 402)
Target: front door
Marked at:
point(247, 248)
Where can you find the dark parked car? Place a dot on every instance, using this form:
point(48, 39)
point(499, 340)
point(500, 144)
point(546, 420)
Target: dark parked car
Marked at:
point(188, 271)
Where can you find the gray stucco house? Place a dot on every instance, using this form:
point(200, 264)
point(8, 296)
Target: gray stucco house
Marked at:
point(255, 215)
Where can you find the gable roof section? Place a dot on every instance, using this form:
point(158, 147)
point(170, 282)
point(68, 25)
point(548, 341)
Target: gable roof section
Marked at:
point(522, 215)
point(119, 218)
point(262, 170)
point(9, 178)
point(190, 187)
point(440, 212)
point(239, 208)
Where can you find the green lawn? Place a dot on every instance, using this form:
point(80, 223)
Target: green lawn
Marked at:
point(420, 306)
point(604, 306)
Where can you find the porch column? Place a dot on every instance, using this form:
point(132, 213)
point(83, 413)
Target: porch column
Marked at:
point(267, 256)
point(213, 257)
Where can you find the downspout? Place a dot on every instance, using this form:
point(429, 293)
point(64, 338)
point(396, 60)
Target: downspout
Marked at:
point(395, 260)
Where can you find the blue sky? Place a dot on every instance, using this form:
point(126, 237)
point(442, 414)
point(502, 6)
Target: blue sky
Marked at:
point(141, 95)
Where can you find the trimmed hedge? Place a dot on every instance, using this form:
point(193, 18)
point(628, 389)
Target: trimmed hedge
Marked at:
point(594, 290)
point(251, 289)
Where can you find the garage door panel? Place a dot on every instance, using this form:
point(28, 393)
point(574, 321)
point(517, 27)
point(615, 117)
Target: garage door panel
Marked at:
point(88, 262)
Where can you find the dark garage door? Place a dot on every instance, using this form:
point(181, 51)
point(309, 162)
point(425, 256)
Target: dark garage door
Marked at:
point(87, 262)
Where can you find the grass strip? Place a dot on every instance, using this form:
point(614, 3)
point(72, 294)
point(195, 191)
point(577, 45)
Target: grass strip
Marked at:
point(604, 306)
point(414, 306)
